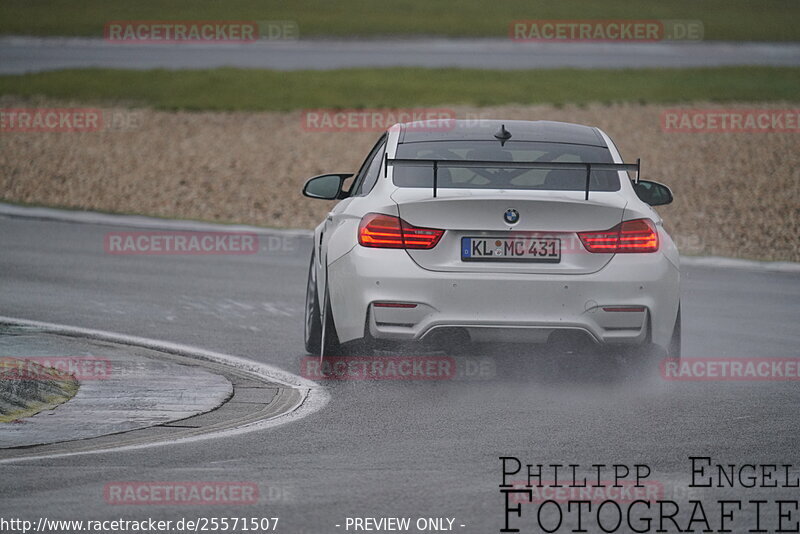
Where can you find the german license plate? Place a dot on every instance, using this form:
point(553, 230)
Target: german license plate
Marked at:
point(532, 249)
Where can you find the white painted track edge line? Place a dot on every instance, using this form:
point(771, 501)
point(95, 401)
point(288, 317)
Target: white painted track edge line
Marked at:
point(138, 221)
point(720, 262)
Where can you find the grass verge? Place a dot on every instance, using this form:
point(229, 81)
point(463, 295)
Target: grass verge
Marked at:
point(263, 90)
point(27, 388)
point(765, 20)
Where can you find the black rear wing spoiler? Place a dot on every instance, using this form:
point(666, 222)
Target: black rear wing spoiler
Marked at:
point(436, 164)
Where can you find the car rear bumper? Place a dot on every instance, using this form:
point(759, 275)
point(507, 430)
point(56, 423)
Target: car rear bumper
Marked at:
point(617, 304)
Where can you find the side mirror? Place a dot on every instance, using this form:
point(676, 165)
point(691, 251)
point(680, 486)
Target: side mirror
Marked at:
point(652, 193)
point(325, 186)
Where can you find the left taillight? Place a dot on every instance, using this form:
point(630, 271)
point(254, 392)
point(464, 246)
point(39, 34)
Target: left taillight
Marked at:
point(638, 235)
point(386, 231)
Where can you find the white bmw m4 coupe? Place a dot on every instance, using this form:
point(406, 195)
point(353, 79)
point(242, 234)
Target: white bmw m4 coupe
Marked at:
point(492, 231)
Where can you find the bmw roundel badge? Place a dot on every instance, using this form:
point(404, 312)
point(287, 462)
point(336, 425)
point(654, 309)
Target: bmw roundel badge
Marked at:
point(511, 216)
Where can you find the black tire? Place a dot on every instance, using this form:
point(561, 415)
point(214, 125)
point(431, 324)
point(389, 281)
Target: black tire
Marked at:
point(313, 324)
point(315, 335)
point(651, 357)
point(674, 350)
point(330, 339)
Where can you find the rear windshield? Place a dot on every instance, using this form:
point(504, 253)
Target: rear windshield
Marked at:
point(498, 178)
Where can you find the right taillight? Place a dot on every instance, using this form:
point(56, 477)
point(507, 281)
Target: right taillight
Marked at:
point(378, 230)
point(638, 235)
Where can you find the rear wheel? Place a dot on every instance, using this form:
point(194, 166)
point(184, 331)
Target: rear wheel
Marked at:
point(330, 339)
point(319, 334)
point(674, 349)
point(649, 358)
point(313, 324)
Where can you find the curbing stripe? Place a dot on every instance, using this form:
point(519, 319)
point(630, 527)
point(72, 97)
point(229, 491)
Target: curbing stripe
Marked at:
point(312, 399)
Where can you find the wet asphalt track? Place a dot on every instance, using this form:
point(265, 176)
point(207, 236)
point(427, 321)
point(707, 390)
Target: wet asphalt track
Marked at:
point(382, 448)
point(32, 54)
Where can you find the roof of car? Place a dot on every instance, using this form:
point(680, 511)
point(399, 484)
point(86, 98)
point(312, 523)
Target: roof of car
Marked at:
point(484, 130)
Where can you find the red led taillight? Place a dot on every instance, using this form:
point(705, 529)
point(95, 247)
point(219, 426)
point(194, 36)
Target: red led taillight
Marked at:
point(638, 235)
point(386, 231)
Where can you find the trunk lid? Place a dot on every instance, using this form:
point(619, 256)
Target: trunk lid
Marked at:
point(548, 215)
